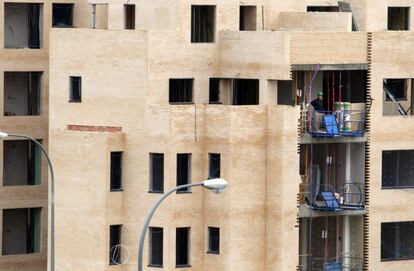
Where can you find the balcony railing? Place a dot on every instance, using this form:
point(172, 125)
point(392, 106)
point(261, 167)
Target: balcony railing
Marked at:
point(349, 123)
point(350, 196)
point(345, 262)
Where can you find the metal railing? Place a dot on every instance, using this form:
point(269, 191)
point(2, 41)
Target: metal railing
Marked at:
point(333, 123)
point(344, 262)
point(350, 195)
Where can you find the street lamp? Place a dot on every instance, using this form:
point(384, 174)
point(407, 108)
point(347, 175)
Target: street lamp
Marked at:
point(52, 194)
point(216, 185)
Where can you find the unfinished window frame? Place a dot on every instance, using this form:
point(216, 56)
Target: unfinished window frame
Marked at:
point(181, 91)
point(156, 185)
point(213, 240)
point(186, 231)
point(75, 89)
point(33, 163)
point(34, 29)
point(283, 89)
point(243, 98)
point(322, 9)
point(33, 231)
point(33, 104)
point(246, 23)
point(214, 91)
point(115, 239)
point(209, 25)
point(69, 17)
point(156, 247)
point(404, 91)
point(129, 16)
point(212, 163)
point(404, 25)
point(116, 161)
point(180, 174)
point(398, 239)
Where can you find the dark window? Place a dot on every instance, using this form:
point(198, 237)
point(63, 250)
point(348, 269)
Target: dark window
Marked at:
point(182, 247)
point(129, 13)
point(116, 171)
point(62, 15)
point(323, 8)
point(22, 93)
point(213, 240)
point(285, 92)
point(397, 241)
point(181, 90)
point(22, 25)
point(245, 91)
point(21, 231)
point(398, 18)
point(397, 88)
point(203, 23)
point(398, 168)
point(156, 246)
point(183, 170)
point(214, 90)
point(214, 165)
point(247, 18)
point(114, 244)
point(357, 84)
point(75, 89)
point(22, 163)
point(157, 172)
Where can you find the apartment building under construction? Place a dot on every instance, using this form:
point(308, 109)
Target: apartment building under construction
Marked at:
point(132, 98)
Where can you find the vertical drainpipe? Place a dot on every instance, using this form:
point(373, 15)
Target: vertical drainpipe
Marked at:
point(347, 223)
point(93, 16)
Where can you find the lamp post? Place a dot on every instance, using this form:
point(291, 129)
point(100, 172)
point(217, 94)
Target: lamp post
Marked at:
point(52, 194)
point(216, 185)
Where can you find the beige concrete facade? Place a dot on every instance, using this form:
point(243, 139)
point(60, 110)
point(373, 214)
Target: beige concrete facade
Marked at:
point(125, 107)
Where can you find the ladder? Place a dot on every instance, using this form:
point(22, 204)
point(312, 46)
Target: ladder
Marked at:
point(346, 7)
point(401, 109)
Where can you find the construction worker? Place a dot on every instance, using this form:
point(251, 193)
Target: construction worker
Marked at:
point(318, 103)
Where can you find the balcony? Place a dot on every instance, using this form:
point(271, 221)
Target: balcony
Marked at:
point(331, 243)
point(333, 179)
point(340, 123)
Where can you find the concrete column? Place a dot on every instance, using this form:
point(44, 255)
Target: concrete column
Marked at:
point(346, 219)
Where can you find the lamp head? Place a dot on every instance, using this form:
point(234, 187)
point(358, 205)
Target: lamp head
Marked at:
point(217, 185)
point(3, 135)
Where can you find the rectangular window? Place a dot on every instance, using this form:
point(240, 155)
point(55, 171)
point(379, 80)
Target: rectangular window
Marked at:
point(157, 172)
point(203, 23)
point(22, 93)
point(245, 91)
point(247, 18)
point(398, 169)
point(214, 165)
point(116, 171)
point(398, 18)
point(21, 231)
point(285, 92)
point(181, 90)
point(23, 25)
point(129, 15)
point(182, 247)
point(22, 163)
point(213, 240)
point(156, 246)
point(183, 170)
point(214, 90)
point(75, 94)
point(397, 88)
point(62, 15)
point(114, 244)
point(397, 241)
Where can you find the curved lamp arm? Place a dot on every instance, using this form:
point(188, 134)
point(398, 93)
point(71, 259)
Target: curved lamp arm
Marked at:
point(216, 185)
point(52, 194)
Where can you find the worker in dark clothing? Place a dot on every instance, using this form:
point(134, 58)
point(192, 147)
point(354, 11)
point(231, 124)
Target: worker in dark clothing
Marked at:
point(318, 103)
